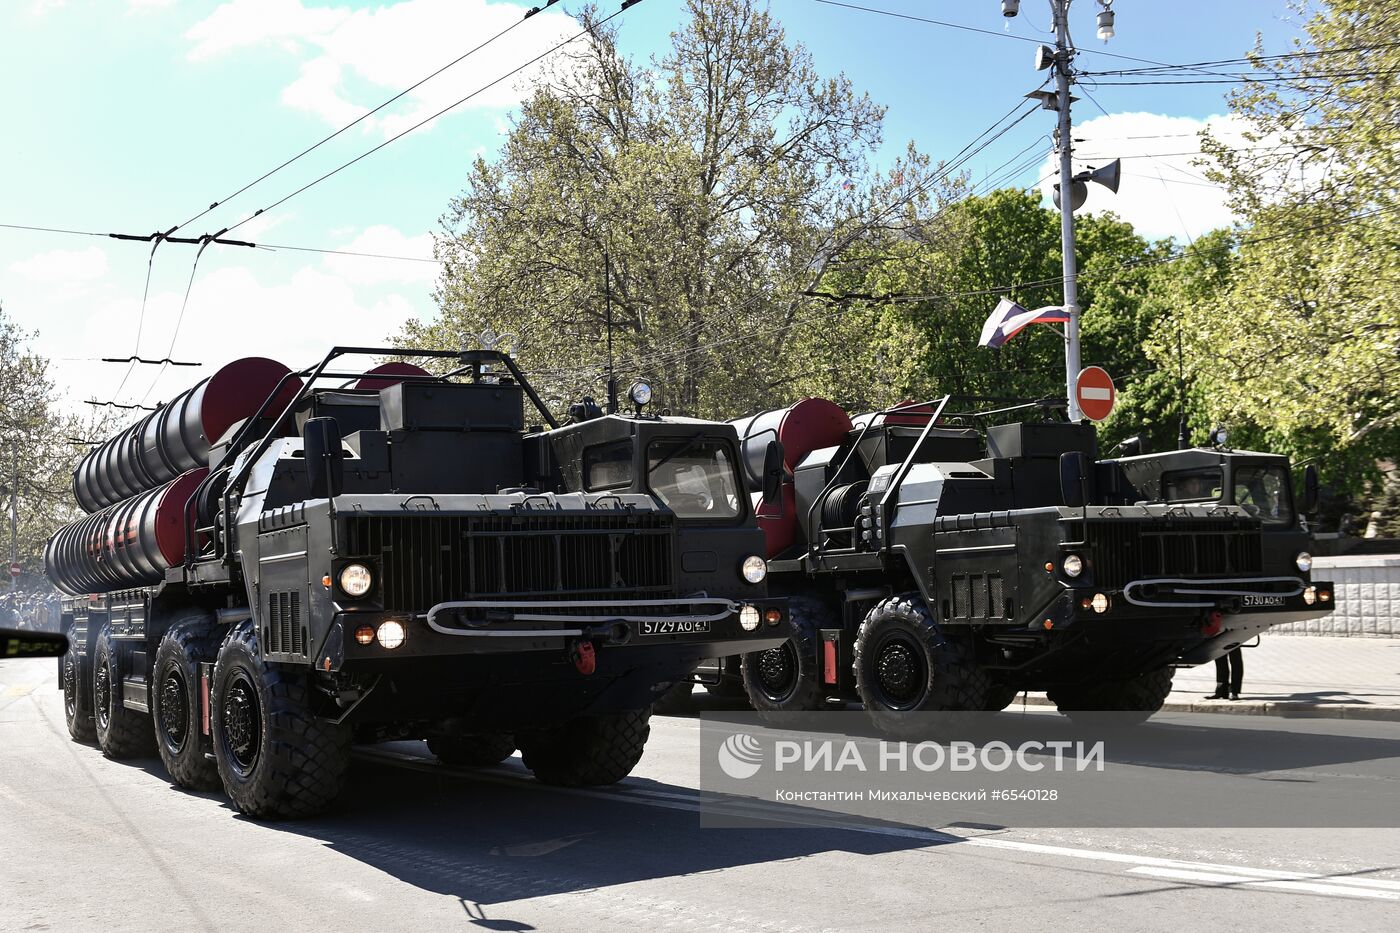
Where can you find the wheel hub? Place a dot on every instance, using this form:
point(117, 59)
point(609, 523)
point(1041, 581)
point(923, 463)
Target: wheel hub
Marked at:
point(102, 694)
point(242, 723)
point(777, 669)
point(174, 709)
point(898, 671)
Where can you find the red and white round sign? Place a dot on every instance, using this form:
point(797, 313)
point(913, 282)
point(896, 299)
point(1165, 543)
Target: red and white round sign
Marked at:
point(1094, 389)
point(15, 570)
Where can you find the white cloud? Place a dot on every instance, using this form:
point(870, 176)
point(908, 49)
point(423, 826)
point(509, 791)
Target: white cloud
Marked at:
point(40, 7)
point(138, 5)
point(385, 49)
point(1164, 191)
point(61, 266)
point(385, 241)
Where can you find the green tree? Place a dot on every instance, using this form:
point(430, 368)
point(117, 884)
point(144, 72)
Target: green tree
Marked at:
point(36, 447)
point(720, 180)
point(1303, 347)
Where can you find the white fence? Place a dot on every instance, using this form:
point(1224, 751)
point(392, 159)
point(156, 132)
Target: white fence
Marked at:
point(1368, 598)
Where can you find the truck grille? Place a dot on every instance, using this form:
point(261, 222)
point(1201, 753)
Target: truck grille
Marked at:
point(1123, 550)
point(428, 559)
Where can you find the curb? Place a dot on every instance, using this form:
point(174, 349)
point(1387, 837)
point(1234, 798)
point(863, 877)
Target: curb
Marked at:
point(1284, 709)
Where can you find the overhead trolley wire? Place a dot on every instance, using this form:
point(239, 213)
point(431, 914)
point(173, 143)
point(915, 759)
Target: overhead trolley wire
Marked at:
point(396, 137)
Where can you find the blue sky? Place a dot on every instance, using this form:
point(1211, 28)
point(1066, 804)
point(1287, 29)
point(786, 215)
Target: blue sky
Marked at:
point(133, 115)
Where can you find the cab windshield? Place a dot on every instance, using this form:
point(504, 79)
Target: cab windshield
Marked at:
point(694, 477)
point(1263, 493)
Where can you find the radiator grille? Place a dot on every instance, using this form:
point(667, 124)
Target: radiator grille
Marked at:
point(284, 632)
point(428, 559)
point(1121, 551)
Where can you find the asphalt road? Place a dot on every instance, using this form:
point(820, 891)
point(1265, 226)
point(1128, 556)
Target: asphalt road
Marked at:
point(91, 844)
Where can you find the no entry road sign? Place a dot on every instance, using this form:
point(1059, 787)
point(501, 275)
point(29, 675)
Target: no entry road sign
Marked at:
point(1094, 389)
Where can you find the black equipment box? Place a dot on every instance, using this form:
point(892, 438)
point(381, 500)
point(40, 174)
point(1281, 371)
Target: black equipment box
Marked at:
point(1041, 439)
point(436, 406)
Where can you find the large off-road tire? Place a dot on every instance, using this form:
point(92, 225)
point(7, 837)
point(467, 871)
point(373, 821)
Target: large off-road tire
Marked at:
point(999, 697)
point(472, 751)
point(276, 758)
point(77, 702)
point(121, 732)
point(175, 699)
point(676, 701)
point(1115, 702)
point(905, 664)
point(588, 751)
point(788, 678)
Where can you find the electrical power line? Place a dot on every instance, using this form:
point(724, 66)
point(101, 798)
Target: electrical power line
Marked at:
point(396, 137)
point(366, 115)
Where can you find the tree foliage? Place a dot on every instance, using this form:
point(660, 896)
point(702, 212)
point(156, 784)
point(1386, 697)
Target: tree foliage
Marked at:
point(719, 180)
point(40, 452)
point(1302, 346)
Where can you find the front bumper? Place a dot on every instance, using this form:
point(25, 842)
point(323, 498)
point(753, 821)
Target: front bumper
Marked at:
point(696, 627)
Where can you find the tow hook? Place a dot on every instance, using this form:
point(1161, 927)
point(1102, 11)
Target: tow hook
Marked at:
point(585, 657)
point(1215, 621)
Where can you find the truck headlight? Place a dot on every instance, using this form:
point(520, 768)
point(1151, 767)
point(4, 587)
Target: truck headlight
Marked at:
point(1303, 561)
point(754, 569)
point(391, 634)
point(1073, 565)
point(748, 618)
point(355, 580)
point(1310, 595)
point(1100, 602)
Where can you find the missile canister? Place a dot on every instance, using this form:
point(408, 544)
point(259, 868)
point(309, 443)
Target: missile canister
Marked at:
point(176, 438)
point(129, 544)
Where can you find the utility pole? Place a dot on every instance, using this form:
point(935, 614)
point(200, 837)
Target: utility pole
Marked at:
point(1064, 54)
point(14, 514)
point(607, 297)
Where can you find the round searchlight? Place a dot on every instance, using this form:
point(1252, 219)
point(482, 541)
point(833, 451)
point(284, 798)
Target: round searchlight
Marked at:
point(640, 393)
point(749, 618)
point(754, 569)
point(355, 580)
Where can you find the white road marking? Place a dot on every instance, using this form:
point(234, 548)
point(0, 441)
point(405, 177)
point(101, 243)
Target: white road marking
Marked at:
point(1326, 887)
point(1300, 882)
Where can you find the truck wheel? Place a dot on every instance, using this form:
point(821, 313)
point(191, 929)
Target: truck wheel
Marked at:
point(906, 664)
point(1130, 702)
point(788, 678)
point(675, 701)
point(999, 697)
point(588, 751)
point(175, 700)
point(276, 758)
point(77, 711)
point(473, 751)
point(121, 732)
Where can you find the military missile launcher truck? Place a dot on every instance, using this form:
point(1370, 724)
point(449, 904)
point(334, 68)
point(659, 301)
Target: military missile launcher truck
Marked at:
point(937, 564)
point(279, 564)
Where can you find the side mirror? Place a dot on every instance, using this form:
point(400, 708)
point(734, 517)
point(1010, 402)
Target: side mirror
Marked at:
point(773, 471)
point(325, 458)
point(1074, 473)
point(14, 644)
point(1312, 492)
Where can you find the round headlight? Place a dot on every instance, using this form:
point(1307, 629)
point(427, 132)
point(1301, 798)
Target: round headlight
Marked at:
point(640, 393)
point(1310, 595)
point(391, 634)
point(748, 618)
point(355, 580)
point(1304, 561)
point(1100, 602)
point(755, 568)
point(1073, 565)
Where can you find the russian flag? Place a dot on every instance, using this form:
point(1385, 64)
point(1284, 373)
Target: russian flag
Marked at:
point(1009, 319)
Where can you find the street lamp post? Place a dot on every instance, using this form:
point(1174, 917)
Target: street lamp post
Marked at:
point(1063, 55)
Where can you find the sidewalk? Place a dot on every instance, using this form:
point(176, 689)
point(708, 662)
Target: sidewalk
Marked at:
point(1340, 678)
